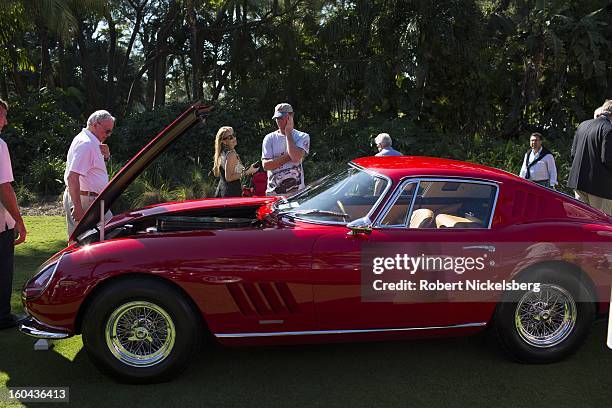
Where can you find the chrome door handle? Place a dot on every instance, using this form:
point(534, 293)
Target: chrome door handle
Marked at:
point(489, 248)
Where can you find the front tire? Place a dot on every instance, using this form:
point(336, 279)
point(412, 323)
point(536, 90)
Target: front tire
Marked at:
point(549, 325)
point(141, 331)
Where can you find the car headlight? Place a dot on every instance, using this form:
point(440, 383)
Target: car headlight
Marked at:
point(40, 282)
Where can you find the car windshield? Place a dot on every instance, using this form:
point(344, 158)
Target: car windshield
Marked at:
point(341, 197)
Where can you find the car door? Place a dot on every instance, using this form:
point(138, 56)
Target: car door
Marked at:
point(423, 219)
point(252, 280)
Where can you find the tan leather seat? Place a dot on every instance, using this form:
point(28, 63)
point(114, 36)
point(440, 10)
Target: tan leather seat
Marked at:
point(421, 218)
point(453, 221)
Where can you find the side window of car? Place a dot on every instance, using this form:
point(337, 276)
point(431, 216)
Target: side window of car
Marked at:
point(452, 204)
point(397, 213)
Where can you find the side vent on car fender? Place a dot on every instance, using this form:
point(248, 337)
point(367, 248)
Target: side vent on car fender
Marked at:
point(528, 206)
point(263, 299)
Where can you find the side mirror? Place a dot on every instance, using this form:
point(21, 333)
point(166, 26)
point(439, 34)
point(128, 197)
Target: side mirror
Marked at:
point(360, 226)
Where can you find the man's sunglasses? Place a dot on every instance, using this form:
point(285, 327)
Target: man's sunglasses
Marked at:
point(107, 131)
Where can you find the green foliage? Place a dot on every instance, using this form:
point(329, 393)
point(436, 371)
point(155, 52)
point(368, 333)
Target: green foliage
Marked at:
point(38, 130)
point(24, 196)
point(38, 136)
point(452, 78)
point(184, 170)
point(13, 21)
point(46, 177)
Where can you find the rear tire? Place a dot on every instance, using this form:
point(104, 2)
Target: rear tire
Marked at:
point(141, 331)
point(549, 325)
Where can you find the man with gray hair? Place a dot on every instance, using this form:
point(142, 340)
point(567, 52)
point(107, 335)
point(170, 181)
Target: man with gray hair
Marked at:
point(600, 110)
point(86, 175)
point(383, 143)
point(591, 172)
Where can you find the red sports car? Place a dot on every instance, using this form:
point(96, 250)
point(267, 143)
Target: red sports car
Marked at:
point(387, 248)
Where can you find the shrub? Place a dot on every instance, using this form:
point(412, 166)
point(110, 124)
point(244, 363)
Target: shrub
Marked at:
point(45, 177)
point(39, 131)
point(40, 134)
point(24, 196)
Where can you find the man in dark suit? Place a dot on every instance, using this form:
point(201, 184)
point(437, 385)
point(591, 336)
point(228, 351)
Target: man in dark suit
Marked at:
point(591, 173)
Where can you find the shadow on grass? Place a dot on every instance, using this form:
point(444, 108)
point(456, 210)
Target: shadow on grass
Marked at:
point(468, 372)
point(29, 257)
point(28, 253)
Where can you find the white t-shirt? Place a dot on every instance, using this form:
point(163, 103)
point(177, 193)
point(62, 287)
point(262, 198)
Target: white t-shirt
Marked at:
point(288, 178)
point(86, 159)
point(6, 176)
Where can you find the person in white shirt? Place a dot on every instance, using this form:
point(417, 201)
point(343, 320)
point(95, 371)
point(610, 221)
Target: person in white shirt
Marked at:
point(11, 223)
point(539, 163)
point(86, 175)
point(383, 144)
point(282, 153)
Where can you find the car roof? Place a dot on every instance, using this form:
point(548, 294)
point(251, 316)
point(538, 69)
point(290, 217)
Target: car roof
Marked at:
point(397, 167)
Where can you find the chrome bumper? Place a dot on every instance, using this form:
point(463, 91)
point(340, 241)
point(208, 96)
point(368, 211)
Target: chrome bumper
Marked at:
point(34, 328)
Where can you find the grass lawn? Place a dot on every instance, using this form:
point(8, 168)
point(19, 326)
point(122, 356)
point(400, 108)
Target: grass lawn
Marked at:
point(466, 372)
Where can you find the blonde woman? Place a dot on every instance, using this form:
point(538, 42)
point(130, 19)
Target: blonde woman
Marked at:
point(227, 165)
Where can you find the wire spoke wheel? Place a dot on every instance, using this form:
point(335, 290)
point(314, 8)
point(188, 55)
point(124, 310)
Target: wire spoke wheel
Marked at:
point(140, 334)
point(545, 318)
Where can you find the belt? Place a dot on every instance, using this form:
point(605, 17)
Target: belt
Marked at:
point(89, 193)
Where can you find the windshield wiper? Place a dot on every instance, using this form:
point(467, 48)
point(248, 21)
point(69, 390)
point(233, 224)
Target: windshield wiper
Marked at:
point(288, 200)
point(314, 212)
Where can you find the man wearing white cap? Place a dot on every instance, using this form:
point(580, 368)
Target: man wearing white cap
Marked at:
point(282, 153)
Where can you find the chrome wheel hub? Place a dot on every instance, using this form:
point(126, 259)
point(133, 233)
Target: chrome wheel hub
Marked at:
point(545, 318)
point(140, 334)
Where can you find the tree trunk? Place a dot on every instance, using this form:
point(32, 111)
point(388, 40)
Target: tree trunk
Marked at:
point(161, 46)
point(46, 73)
point(62, 77)
point(139, 14)
point(196, 52)
point(148, 46)
point(92, 94)
point(20, 87)
point(186, 79)
point(3, 86)
point(149, 68)
point(221, 83)
point(160, 82)
point(110, 67)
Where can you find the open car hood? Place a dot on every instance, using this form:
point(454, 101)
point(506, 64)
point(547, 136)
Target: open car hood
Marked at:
point(193, 115)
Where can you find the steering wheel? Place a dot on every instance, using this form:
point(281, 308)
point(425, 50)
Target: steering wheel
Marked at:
point(342, 209)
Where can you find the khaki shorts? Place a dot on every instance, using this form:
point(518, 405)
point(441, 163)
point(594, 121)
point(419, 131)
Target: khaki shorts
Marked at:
point(594, 201)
